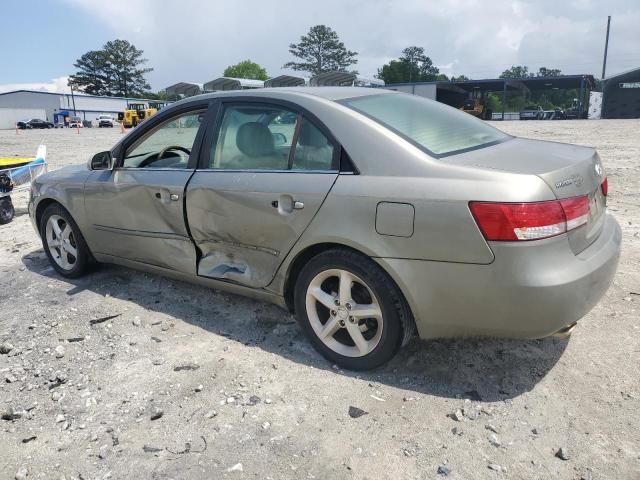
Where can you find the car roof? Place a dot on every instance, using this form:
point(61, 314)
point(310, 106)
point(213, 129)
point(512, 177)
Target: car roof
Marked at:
point(327, 93)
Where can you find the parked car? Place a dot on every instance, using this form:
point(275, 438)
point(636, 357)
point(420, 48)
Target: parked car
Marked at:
point(532, 112)
point(34, 123)
point(105, 121)
point(367, 226)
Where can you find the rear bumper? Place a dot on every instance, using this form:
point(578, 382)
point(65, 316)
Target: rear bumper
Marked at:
point(531, 290)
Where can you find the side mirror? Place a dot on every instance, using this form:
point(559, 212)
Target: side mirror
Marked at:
point(101, 161)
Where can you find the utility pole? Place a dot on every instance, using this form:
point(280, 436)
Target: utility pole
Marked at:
point(73, 100)
point(606, 47)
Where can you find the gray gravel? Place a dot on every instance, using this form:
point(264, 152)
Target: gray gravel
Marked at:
point(262, 404)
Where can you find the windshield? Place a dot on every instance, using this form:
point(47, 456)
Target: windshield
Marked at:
point(435, 127)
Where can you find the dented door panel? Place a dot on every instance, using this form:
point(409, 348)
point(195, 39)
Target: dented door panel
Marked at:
point(245, 222)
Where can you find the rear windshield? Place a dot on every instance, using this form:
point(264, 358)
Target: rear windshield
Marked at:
point(435, 127)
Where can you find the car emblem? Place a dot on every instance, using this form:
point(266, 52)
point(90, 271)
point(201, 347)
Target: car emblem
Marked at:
point(598, 169)
point(574, 180)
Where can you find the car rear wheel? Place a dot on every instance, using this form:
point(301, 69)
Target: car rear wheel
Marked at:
point(351, 310)
point(63, 243)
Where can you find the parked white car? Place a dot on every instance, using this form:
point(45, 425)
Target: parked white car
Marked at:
point(105, 121)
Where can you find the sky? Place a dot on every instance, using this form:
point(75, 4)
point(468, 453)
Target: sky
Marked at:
point(194, 40)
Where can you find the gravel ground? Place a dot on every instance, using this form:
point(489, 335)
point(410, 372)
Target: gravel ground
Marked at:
point(126, 375)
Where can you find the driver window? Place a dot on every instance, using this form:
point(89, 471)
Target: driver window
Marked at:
point(166, 146)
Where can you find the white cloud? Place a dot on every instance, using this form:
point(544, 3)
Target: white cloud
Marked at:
point(56, 85)
point(195, 40)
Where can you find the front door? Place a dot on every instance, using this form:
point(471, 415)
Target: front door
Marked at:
point(137, 209)
point(266, 173)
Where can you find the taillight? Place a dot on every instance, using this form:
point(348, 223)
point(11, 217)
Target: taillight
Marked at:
point(529, 221)
point(605, 187)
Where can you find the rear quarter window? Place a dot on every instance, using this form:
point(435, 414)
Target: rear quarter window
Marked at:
point(438, 129)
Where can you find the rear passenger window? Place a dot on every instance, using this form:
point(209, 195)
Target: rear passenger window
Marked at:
point(254, 138)
point(269, 137)
point(313, 149)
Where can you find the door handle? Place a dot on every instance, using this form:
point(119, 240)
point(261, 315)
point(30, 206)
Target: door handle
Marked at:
point(286, 204)
point(174, 197)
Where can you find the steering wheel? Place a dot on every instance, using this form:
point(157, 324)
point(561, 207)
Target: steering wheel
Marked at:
point(173, 147)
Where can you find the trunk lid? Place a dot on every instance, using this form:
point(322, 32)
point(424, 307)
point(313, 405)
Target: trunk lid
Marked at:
point(569, 170)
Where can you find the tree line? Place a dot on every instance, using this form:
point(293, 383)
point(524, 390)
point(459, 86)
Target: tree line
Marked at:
point(119, 68)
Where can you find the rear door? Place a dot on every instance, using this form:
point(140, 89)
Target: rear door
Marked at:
point(137, 209)
point(264, 172)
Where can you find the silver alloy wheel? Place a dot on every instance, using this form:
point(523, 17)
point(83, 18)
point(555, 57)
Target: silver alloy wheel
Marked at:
point(348, 328)
point(61, 242)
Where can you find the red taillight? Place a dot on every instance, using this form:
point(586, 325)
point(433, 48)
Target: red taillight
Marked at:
point(529, 221)
point(605, 187)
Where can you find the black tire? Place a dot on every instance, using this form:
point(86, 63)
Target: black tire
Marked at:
point(398, 322)
point(7, 212)
point(81, 265)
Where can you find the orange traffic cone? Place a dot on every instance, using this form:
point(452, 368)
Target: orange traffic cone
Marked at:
point(78, 128)
point(17, 129)
point(121, 127)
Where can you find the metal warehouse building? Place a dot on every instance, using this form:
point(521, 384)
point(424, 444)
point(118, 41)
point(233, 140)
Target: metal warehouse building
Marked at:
point(621, 95)
point(22, 103)
point(455, 92)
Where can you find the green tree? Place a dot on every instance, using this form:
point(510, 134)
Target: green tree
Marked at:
point(126, 67)
point(519, 71)
point(412, 66)
point(246, 69)
point(91, 76)
point(321, 51)
point(460, 78)
point(548, 72)
point(118, 69)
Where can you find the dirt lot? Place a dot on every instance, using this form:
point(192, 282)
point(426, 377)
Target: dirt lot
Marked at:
point(185, 382)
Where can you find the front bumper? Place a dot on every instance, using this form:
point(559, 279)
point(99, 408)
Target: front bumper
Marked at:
point(531, 290)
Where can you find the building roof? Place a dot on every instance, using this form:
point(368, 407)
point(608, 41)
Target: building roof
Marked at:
point(75, 94)
point(230, 83)
point(285, 81)
point(345, 79)
point(498, 84)
point(624, 74)
point(186, 89)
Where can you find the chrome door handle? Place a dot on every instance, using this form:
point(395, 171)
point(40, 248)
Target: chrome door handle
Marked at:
point(298, 205)
point(174, 196)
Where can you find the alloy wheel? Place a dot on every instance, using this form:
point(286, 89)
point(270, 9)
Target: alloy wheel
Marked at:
point(61, 242)
point(344, 313)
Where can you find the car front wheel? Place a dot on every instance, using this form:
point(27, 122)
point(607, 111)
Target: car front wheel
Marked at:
point(63, 242)
point(351, 310)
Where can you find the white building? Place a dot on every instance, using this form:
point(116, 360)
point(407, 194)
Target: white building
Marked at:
point(22, 103)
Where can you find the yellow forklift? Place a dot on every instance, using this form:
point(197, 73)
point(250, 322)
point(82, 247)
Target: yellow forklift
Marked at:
point(476, 105)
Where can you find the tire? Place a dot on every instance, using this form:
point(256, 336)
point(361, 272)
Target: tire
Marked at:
point(62, 258)
point(318, 297)
point(7, 212)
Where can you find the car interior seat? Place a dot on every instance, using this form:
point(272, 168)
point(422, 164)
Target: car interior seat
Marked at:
point(255, 142)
